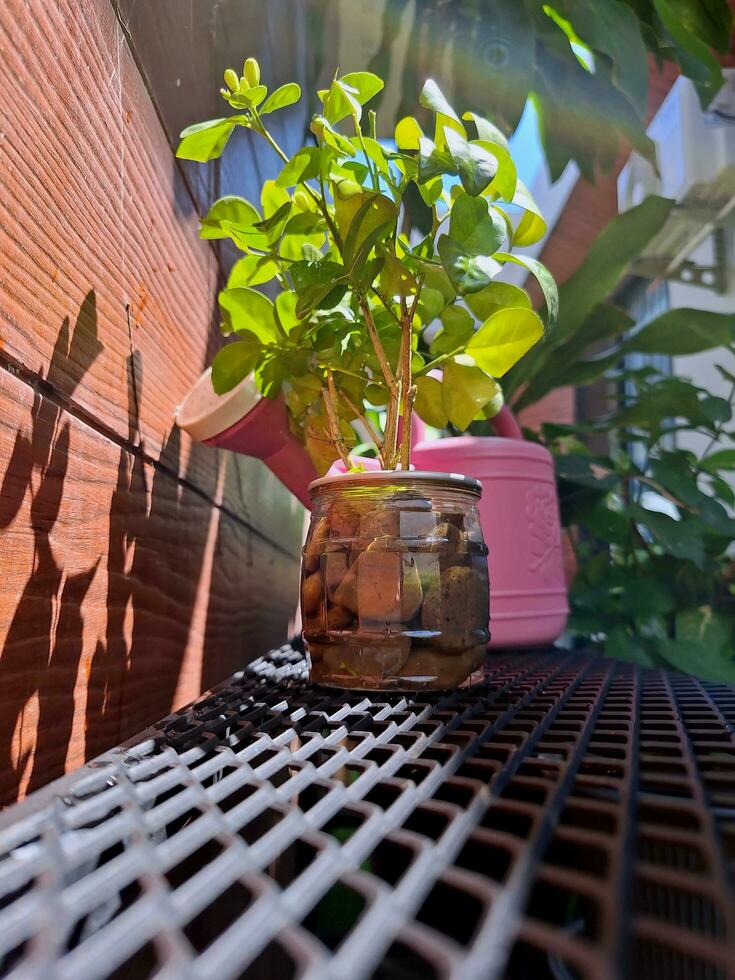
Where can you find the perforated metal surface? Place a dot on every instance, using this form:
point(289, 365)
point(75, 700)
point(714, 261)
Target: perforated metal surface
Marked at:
point(567, 817)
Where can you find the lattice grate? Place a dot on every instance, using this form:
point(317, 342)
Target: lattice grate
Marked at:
point(567, 817)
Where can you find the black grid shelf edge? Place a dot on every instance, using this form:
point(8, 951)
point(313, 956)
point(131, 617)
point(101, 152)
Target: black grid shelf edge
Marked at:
point(566, 817)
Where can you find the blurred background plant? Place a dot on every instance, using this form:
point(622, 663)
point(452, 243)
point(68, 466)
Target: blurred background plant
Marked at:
point(649, 523)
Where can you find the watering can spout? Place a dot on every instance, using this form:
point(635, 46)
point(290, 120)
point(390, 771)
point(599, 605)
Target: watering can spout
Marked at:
point(245, 422)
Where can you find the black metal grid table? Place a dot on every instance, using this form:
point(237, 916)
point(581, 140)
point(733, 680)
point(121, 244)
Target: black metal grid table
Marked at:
point(566, 817)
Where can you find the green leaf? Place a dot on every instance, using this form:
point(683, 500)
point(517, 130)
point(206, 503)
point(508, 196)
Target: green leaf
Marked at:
point(532, 226)
point(503, 185)
point(475, 166)
point(705, 626)
point(234, 363)
point(723, 459)
point(284, 96)
point(497, 296)
point(447, 119)
point(693, 54)
point(407, 133)
point(285, 311)
point(474, 226)
point(246, 309)
point(544, 279)
point(682, 538)
point(252, 270)
point(206, 140)
point(504, 338)
point(429, 402)
point(227, 209)
point(620, 645)
point(433, 161)
point(364, 85)
point(683, 331)
point(395, 278)
point(487, 130)
point(613, 29)
point(468, 273)
point(377, 215)
point(465, 392)
point(326, 133)
point(303, 166)
point(709, 663)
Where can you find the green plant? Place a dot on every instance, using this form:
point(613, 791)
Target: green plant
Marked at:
point(364, 310)
point(583, 63)
point(655, 581)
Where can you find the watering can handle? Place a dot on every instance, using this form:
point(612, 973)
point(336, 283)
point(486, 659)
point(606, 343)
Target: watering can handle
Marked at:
point(504, 423)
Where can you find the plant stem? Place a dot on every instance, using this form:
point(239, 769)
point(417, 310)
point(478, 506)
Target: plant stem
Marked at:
point(390, 378)
point(368, 162)
point(330, 398)
point(368, 425)
point(319, 200)
point(408, 392)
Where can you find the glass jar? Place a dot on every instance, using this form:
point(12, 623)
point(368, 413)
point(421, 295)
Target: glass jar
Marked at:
point(394, 586)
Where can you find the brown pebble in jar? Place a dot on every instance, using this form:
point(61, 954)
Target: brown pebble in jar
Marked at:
point(311, 593)
point(313, 551)
point(344, 518)
point(456, 604)
point(338, 618)
point(335, 570)
point(380, 521)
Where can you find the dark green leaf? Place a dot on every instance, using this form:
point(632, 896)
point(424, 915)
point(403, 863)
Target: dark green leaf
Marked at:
point(235, 362)
point(683, 331)
point(723, 459)
point(476, 227)
point(475, 166)
point(467, 273)
point(682, 539)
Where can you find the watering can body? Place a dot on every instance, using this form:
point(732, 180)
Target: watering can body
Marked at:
point(519, 512)
point(519, 509)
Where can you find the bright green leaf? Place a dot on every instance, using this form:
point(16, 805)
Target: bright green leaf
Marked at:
point(465, 392)
point(429, 403)
point(252, 270)
point(248, 310)
point(497, 296)
point(504, 338)
point(487, 130)
point(407, 133)
point(284, 96)
point(206, 141)
point(231, 209)
point(544, 278)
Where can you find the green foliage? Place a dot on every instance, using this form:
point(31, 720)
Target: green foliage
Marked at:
point(583, 64)
point(366, 315)
point(652, 535)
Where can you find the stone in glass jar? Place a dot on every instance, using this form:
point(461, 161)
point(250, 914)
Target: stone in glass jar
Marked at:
point(394, 589)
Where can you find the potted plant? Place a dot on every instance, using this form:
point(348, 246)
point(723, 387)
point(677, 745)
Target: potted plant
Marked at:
point(382, 260)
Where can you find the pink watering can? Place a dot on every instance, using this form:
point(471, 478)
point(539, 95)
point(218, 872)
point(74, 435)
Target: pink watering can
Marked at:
point(518, 509)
